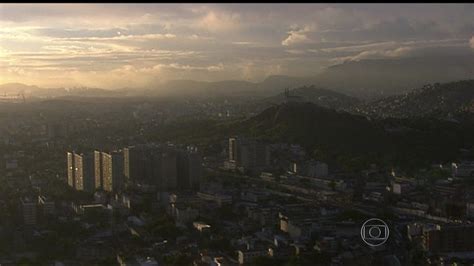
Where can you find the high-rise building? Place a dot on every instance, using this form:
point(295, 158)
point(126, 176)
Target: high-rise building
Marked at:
point(117, 170)
point(81, 171)
point(168, 175)
point(311, 168)
point(233, 143)
point(454, 238)
point(29, 210)
point(165, 167)
point(195, 169)
point(126, 163)
point(98, 175)
point(88, 171)
point(70, 169)
point(138, 163)
point(248, 153)
point(78, 172)
point(47, 205)
point(189, 168)
point(161, 171)
point(150, 165)
point(106, 171)
point(112, 171)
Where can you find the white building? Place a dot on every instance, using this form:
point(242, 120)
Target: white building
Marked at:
point(400, 188)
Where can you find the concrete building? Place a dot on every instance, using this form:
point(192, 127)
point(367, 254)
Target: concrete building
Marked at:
point(70, 169)
point(189, 168)
point(400, 188)
point(135, 161)
point(29, 211)
point(470, 210)
point(317, 169)
point(162, 171)
point(112, 171)
point(464, 169)
point(107, 171)
point(310, 168)
point(117, 171)
point(169, 174)
point(220, 199)
point(80, 171)
point(98, 170)
point(233, 142)
point(126, 163)
point(84, 172)
point(247, 256)
point(183, 214)
point(138, 163)
point(248, 153)
point(46, 205)
point(166, 167)
point(455, 238)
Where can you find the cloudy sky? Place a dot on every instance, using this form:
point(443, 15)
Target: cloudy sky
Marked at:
point(138, 45)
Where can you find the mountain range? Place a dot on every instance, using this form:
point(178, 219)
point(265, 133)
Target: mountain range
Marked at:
point(365, 79)
point(384, 77)
point(32, 91)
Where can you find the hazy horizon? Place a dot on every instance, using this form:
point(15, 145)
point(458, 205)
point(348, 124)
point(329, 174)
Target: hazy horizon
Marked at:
point(139, 45)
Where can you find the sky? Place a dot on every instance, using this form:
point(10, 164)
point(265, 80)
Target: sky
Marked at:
point(142, 45)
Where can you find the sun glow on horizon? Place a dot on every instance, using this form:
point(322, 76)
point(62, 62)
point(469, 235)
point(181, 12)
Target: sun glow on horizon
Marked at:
point(126, 45)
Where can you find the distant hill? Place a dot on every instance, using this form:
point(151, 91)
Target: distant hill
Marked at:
point(385, 77)
point(272, 85)
point(203, 88)
point(365, 79)
point(406, 142)
point(312, 125)
point(368, 79)
point(277, 83)
point(13, 89)
point(437, 100)
point(319, 96)
point(16, 88)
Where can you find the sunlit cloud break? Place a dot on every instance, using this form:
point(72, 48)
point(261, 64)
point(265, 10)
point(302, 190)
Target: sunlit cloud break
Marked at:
point(109, 45)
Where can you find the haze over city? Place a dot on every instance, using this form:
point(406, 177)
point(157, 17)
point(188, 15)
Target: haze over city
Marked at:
point(236, 134)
